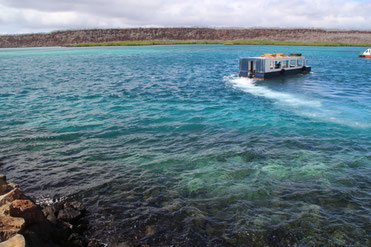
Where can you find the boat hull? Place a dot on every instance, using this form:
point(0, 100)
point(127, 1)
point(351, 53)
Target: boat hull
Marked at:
point(366, 56)
point(283, 72)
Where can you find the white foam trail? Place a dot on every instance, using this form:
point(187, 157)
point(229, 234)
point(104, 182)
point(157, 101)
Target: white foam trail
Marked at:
point(249, 86)
point(299, 105)
point(328, 118)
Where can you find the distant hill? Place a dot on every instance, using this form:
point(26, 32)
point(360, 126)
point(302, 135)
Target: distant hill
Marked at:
point(70, 37)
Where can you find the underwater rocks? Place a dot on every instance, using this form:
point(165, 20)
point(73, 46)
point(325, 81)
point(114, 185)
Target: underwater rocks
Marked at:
point(23, 223)
point(71, 212)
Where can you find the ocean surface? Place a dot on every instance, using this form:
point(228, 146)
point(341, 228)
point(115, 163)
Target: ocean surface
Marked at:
point(166, 146)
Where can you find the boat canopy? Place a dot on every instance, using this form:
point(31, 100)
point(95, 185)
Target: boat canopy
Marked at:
point(273, 55)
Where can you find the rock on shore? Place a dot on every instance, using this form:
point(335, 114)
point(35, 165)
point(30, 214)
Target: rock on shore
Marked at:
point(23, 223)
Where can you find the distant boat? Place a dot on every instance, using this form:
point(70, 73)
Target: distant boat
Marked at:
point(273, 65)
point(366, 53)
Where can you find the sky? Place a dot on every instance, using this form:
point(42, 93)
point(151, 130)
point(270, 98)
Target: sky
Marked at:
point(32, 16)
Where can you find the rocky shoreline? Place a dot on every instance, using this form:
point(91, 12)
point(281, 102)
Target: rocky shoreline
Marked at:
point(24, 223)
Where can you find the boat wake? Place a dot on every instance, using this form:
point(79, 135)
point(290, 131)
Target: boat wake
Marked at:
point(249, 86)
point(298, 104)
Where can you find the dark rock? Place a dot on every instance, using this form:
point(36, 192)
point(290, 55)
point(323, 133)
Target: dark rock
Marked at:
point(3, 185)
point(66, 226)
point(49, 214)
point(57, 207)
point(66, 230)
point(2, 179)
point(52, 219)
point(3, 189)
point(76, 205)
point(41, 235)
point(48, 211)
point(61, 231)
point(95, 243)
point(69, 214)
point(77, 240)
point(81, 227)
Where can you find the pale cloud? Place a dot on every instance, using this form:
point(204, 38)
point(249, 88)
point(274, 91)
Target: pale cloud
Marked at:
point(17, 16)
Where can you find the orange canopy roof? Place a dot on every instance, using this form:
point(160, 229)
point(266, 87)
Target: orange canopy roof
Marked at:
point(272, 55)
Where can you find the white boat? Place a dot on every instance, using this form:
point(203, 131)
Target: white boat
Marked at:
point(273, 65)
point(366, 53)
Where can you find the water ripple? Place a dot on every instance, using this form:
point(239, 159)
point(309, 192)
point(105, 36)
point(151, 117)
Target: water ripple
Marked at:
point(166, 146)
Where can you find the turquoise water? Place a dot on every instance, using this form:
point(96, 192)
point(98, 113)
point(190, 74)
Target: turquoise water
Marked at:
point(165, 145)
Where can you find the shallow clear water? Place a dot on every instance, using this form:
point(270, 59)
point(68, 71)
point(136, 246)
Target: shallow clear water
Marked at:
point(165, 145)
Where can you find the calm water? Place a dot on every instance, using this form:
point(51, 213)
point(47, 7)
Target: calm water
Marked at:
point(165, 145)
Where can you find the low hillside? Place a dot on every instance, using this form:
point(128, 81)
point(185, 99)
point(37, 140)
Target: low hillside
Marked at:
point(71, 37)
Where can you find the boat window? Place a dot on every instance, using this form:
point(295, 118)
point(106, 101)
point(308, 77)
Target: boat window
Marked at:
point(285, 64)
point(277, 64)
point(300, 62)
point(252, 66)
point(292, 63)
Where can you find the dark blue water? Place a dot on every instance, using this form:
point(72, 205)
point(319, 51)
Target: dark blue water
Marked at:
point(166, 146)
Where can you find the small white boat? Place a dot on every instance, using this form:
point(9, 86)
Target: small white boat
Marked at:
point(366, 53)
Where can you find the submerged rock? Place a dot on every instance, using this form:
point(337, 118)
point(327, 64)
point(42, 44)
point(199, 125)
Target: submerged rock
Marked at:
point(72, 212)
point(77, 240)
point(69, 214)
point(76, 205)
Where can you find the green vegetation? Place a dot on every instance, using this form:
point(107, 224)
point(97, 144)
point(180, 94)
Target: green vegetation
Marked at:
point(269, 42)
point(150, 42)
point(221, 42)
